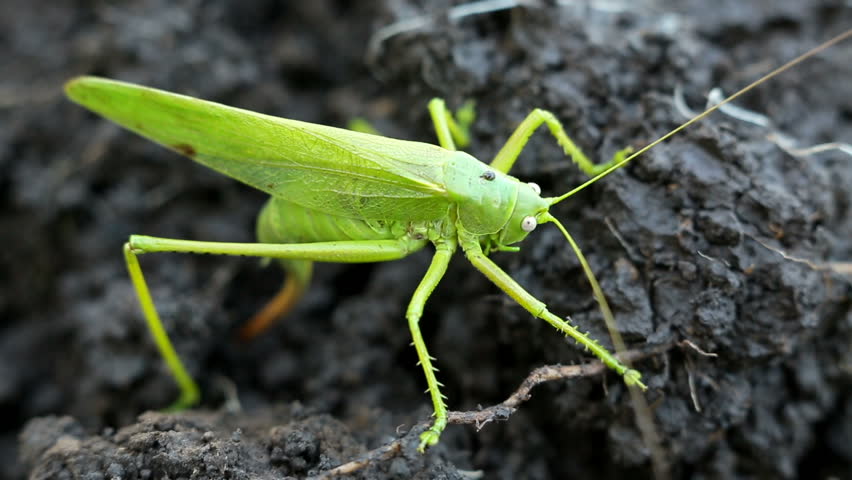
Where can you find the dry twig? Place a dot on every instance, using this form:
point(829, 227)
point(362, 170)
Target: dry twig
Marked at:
point(500, 412)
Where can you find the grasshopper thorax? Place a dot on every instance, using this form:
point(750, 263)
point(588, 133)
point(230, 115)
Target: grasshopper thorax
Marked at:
point(491, 204)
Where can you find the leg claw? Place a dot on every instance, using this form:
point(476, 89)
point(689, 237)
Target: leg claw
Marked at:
point(187, 400)
point(427, 439)
point(616, 159)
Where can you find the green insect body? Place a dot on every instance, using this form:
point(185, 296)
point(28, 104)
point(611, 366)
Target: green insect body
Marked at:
point(344, 196)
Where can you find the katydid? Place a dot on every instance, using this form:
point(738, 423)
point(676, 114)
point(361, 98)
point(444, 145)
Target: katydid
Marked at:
point(344, 196)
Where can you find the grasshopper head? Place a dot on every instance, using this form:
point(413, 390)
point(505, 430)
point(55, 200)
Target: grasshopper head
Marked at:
point(530, 210)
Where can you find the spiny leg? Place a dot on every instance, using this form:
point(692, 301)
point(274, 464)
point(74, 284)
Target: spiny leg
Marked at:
point(343, 252)
point(451, 130)
point(444, 251)
point(505, 158)
point(474, 253)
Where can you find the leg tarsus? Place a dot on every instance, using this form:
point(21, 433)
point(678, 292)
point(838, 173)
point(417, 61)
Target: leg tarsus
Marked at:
point(185, 400)
point(616, 159)
point(464, 118)
point(430, 437)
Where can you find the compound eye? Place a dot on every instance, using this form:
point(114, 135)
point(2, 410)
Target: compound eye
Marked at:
point(528, 224)
point(535, 188)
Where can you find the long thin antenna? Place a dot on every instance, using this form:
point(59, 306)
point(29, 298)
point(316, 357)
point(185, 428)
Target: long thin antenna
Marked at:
point(640, 405)
point(700, 116)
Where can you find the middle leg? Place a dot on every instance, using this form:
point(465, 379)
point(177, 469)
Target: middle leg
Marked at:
point(505, 158)
point(452, 130)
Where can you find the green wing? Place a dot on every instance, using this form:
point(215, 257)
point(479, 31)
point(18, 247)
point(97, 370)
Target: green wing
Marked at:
point(333, 170)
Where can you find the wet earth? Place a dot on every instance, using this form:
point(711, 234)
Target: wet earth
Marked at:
point(721, 251)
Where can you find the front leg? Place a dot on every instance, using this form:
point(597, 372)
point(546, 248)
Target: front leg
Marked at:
point(444, 251)
point(473, 252)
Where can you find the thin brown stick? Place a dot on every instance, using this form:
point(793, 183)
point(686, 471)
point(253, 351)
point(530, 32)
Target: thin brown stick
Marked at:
point(500, 412)
point(385, 452)
point(547, 373)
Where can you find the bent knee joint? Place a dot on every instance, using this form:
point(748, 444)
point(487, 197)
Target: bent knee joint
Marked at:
point(413, 316)
point(139, 244)
point(131, 248)
point(547, 117)
point(436, 102)
point(409, 245)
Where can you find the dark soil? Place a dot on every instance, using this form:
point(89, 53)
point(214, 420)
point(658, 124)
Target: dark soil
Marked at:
point(718, 237)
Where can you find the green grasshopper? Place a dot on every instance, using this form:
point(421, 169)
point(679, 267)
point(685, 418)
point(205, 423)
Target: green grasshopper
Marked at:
point(344, 196)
